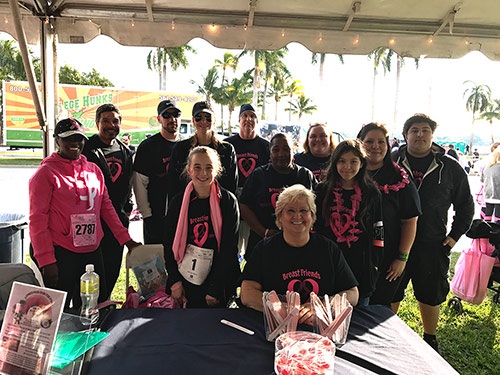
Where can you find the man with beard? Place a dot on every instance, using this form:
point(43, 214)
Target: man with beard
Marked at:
point(252, 151)
point(150, 171)
point(115, 161)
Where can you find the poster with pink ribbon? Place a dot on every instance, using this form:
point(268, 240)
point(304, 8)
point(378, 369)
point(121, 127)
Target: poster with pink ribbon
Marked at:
point(29, 329)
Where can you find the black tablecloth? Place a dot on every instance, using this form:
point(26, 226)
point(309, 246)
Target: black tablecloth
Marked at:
point(193, 341)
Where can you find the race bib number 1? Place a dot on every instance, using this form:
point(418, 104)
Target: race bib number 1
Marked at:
point(83, 227)
point(196, 264)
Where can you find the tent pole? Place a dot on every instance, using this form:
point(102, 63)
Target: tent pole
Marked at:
point(28, 67)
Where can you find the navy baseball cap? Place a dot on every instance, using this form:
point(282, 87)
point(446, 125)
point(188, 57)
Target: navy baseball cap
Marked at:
point(246, 107)
point(200, 107)
point(165, 105)
point(68, 127)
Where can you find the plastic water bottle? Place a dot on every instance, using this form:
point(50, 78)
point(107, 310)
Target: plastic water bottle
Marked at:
point(89, 292)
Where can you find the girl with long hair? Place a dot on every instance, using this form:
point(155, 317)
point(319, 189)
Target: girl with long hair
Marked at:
point(201, 236)
point(350, 213)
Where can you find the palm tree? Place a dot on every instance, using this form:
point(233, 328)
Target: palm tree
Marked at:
point(209, 84)
point(159, 58)
point(302, 105)
point(293, 88)
point(262, 60)
point(275, 70)
point(228, 61)
point(491, 113)
point(380, 56)
point(322, 58)
point(234, 94)
point(278, 90)
point(478, 100)
point(400, 62)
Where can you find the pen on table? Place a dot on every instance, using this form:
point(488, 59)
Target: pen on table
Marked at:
point(237, 326)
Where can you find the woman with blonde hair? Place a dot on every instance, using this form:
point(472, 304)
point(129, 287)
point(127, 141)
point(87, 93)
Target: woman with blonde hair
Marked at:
point(201, 236)
point(318, 146)
point(490, 177)
point(296, 259)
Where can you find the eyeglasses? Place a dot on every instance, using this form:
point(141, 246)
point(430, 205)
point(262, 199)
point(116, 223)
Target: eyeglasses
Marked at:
point(292, 212)
point(168, 115)
point(199, 117)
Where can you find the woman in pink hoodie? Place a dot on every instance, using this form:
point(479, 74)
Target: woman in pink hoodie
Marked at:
point(68, 198)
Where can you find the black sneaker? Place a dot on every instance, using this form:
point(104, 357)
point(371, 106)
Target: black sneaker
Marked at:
point(432, 341)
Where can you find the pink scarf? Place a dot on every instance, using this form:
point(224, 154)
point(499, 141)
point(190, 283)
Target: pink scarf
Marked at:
point(180, 239)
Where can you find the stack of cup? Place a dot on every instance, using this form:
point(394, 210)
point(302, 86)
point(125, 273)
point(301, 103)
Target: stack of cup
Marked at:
point(281, 313)
point(332, 317)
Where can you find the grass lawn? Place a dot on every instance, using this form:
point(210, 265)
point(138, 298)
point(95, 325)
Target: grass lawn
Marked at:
point(470, 341)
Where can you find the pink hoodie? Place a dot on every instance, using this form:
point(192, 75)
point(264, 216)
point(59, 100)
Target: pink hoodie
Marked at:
point(60, 188)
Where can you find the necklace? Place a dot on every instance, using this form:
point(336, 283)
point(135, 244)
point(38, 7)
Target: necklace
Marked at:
point(343, 221)
point(394, 187)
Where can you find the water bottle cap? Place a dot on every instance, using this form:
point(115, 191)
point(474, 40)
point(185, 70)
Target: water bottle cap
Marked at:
point(89, 268)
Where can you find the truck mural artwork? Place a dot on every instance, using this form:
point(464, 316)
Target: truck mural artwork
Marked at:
point(20, 126)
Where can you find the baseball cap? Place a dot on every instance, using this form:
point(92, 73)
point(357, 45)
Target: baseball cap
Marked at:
point(246, 107)
point(165, 105)
point(68, 127)
point(202, 107)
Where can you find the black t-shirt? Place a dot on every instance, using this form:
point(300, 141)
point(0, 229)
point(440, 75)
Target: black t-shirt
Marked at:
point(265, 184)
point(318, 267)
point(317, 165)
point(200, 229)
point(250, 153)
point(359, 243)
point(400, 201)
point(419, 166)
point(152, 160)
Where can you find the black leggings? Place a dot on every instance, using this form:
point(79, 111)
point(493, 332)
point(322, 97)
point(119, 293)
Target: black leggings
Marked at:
point(71, 267)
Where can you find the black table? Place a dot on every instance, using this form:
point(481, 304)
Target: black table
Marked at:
point(193, 341)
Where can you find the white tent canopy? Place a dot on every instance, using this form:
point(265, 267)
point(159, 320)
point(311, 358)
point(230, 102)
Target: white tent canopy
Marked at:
point(444, 28)
point(423, 28)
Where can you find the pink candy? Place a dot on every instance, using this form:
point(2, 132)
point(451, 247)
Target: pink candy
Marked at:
point(304, 353)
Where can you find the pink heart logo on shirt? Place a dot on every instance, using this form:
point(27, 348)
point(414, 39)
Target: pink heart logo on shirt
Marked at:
point(340, 223)
point(200, 232)
point(115, 169)
point(307, 285)
point(246, 166)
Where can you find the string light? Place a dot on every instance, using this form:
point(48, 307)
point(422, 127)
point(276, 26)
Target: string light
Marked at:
point(5, 19)
point(320, 38)
point(392, 41)
point(46, 20)
point(173, 25)
point(430, 41)
point(282, 32)
point(132, 23)
point(245, 27)
point(356, 40)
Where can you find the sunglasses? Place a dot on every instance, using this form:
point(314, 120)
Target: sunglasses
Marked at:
point(168, 115)
point(198, 118)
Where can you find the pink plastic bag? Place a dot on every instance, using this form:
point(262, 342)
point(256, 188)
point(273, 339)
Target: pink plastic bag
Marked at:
point(159, 300)
point(472, 272)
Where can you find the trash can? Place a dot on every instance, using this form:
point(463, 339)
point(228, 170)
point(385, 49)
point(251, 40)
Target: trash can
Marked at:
point(12, 227)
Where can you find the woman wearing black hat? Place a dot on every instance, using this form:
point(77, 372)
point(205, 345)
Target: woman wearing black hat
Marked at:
point(204, 135)
point(68, 198)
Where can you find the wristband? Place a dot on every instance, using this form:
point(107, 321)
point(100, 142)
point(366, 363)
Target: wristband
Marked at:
point(266, 232)
point(403, 256)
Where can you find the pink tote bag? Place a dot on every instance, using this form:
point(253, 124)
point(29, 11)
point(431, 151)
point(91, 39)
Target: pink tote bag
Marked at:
point(472, 272)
